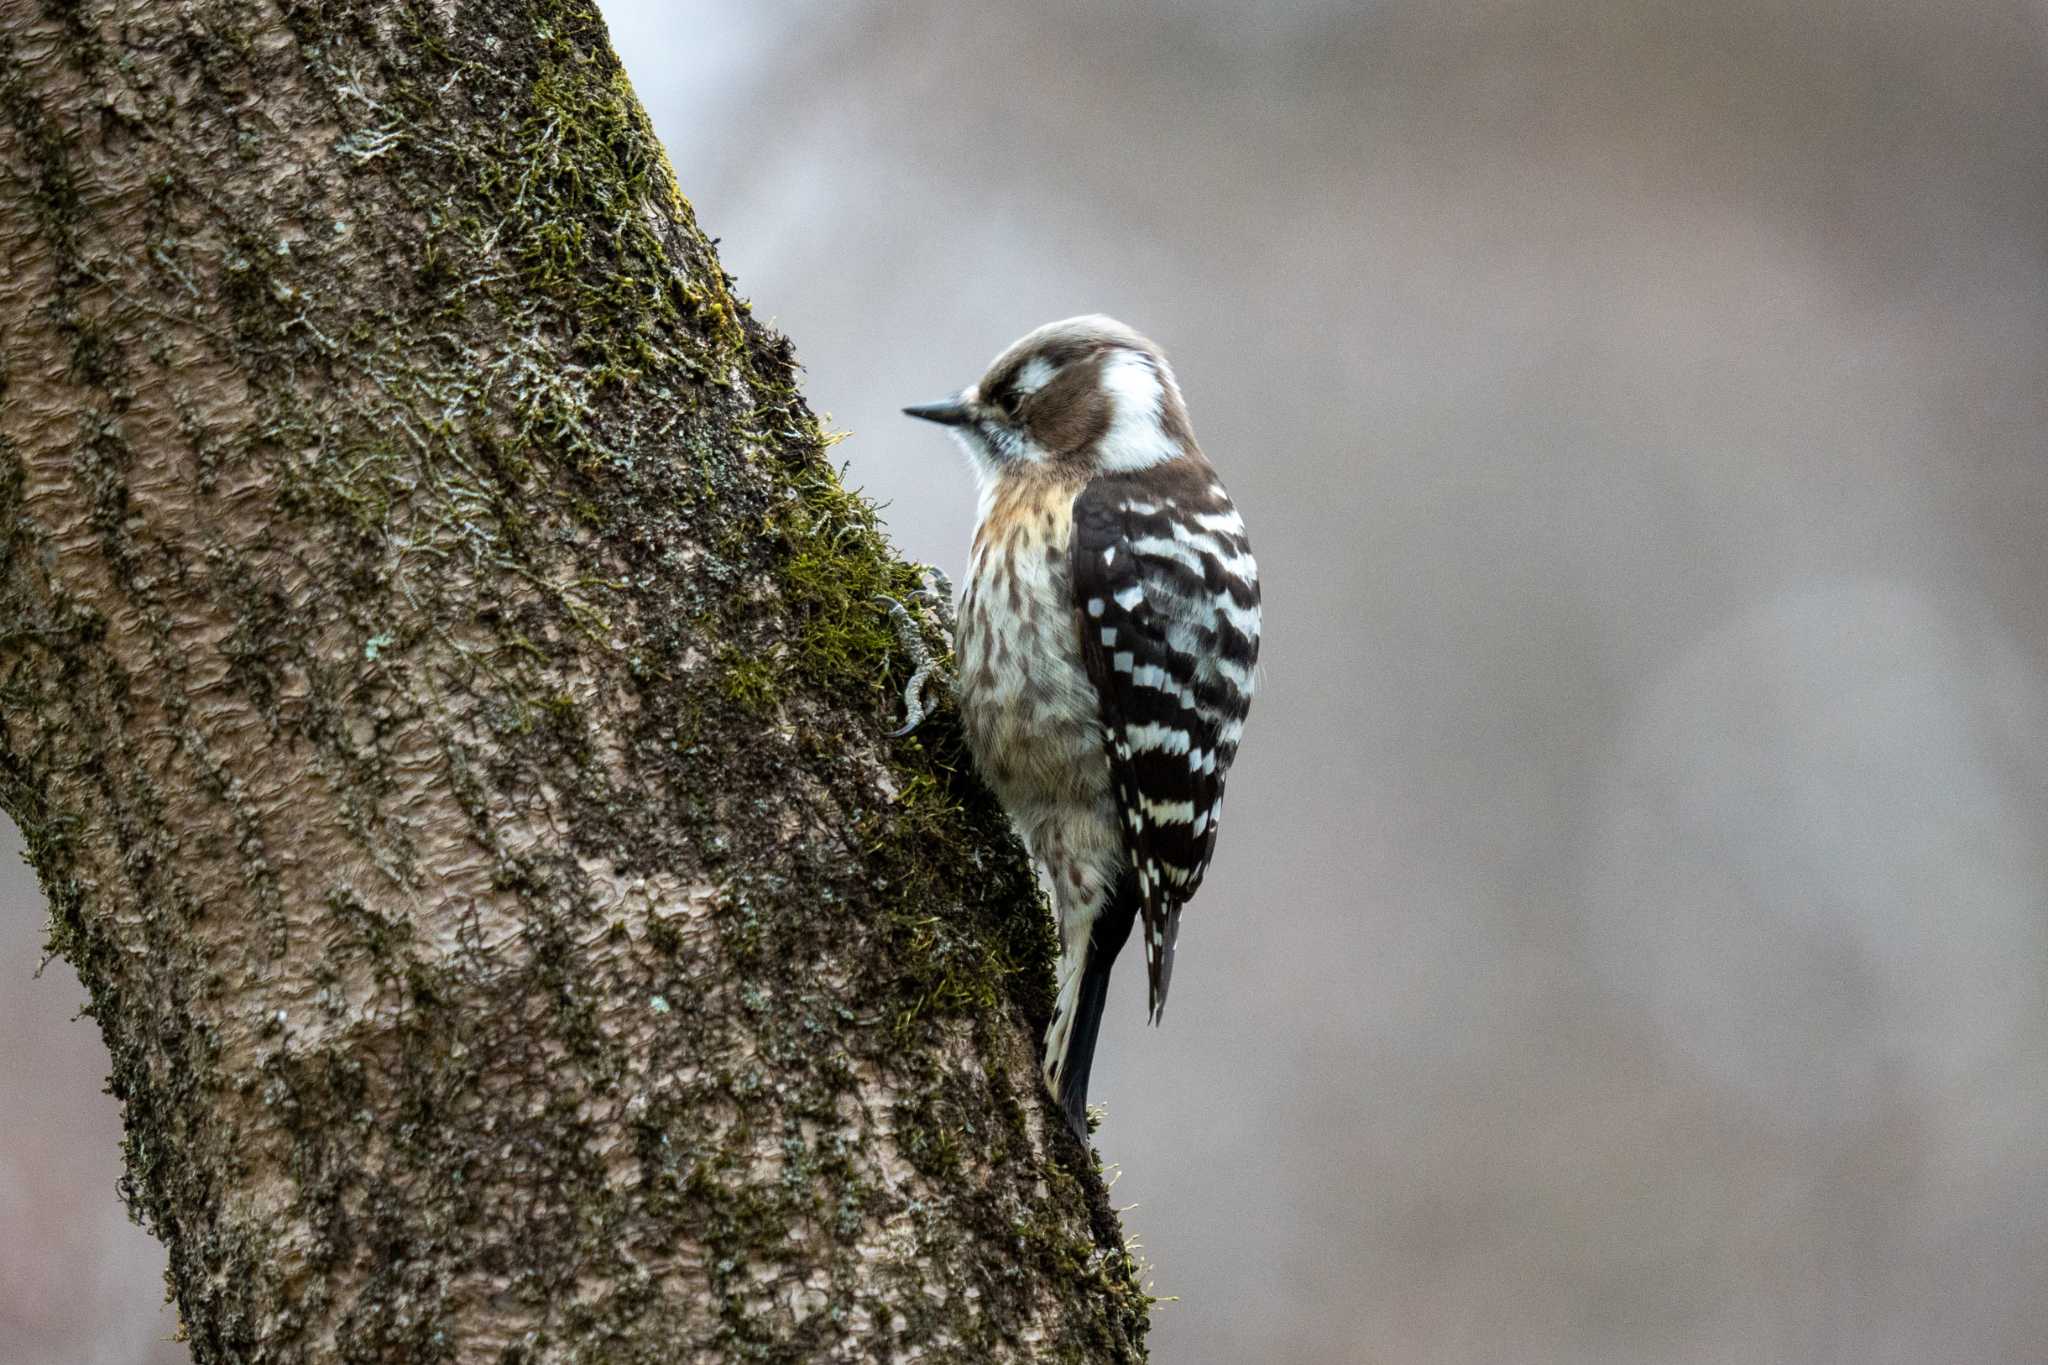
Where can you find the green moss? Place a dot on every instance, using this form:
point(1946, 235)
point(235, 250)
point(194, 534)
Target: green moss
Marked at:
point(833, 566)
point(565, 195)
point(556, 470)
point(929, 849)
point(750, 681)
point(55, 200)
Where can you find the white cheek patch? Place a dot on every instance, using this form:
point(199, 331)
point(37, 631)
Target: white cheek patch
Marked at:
point(1135, 439)
point(987, 465)
point(991, 447)
point(1008, 443)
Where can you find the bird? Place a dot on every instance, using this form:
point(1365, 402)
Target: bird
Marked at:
point(1106, 639)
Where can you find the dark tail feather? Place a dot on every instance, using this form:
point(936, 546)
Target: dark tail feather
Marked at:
point(1162, 962)
point(1105, 940)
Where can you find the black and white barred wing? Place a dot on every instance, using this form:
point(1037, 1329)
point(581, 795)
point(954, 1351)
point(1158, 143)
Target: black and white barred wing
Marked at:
point(1167, 599)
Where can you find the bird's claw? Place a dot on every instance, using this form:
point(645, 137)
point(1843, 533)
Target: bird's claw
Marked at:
point(921, 661)
point(937, 594)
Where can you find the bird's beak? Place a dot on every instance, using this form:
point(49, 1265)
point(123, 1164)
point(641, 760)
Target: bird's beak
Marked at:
point(950, 413)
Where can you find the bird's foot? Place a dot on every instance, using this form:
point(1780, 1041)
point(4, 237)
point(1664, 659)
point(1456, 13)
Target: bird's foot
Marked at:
point(936, 598)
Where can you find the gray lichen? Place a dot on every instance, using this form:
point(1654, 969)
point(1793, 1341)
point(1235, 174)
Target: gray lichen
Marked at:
point(431, 631)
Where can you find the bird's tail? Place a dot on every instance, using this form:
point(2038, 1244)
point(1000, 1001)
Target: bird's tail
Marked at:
point(1084, 990)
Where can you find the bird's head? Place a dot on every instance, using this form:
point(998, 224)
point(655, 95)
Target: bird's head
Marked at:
point(1087, 395)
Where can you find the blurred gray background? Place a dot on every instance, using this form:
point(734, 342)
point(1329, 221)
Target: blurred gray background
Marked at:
point(1627, 940)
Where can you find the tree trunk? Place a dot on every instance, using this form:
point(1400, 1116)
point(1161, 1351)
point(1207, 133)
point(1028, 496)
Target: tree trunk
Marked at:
point(445, 702)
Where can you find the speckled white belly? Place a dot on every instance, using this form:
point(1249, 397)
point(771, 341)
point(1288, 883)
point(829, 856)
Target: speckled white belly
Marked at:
point(1030, 712)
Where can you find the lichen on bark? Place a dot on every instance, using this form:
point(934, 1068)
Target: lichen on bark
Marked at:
point(445, 703)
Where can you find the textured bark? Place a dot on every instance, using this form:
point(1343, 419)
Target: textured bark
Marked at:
point(445, 702)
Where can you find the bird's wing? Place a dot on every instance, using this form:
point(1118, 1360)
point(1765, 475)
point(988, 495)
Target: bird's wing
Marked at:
point(1166, 599)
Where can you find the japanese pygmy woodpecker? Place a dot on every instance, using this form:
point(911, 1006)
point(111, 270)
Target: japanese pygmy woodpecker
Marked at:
point(1107, 635)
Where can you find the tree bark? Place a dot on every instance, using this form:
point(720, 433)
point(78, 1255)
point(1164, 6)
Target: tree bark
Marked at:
point(442, 691)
